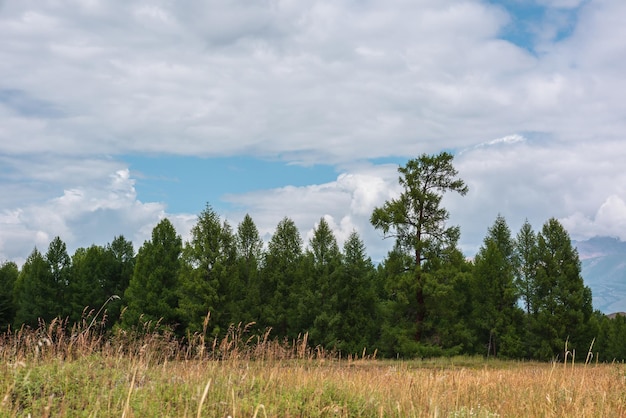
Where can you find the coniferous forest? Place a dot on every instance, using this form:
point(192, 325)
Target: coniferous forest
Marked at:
point(521, 297)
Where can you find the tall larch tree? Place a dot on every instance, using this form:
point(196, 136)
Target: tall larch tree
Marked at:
point(152, 295)
point(417, 220)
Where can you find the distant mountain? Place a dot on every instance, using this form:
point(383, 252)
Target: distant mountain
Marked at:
point(604, 271)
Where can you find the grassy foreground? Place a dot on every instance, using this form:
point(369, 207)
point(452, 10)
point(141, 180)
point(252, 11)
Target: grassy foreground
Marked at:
point(46, 373)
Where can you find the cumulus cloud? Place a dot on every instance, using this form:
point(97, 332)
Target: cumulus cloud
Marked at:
point(609, 220)
point(83, 216)
point(539, 129)
point(346, 204)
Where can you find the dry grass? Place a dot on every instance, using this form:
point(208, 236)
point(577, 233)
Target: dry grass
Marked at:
point(55, 372)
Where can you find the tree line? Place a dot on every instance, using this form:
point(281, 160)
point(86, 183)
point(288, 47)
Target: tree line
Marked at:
point(521, 297)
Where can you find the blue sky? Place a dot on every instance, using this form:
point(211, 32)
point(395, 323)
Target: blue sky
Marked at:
point(115, 114)
point(187, 183)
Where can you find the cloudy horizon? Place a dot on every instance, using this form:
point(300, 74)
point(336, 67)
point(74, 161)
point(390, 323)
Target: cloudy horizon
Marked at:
point(116, 114)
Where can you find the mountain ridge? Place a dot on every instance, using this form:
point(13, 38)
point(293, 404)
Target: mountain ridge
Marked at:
point(603, 262)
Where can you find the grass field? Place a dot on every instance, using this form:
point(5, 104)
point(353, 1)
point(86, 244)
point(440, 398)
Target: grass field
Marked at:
point(46, 373)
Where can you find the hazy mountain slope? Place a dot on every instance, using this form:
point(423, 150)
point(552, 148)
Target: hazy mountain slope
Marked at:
point(604, 271)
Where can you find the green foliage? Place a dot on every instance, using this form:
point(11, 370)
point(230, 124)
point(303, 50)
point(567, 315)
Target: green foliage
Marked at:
point(497, 318)
point(417, 220)
point(40, 290)
point(318, 310)
point(611, 336)
point(8, 276)
point(281, 273)
point(59, 265)
point(152, 292)
point(355, 300)
point(425, 299)
point(249, 258)
point(87, 286)
point(563, 302)
point(208, 278)
point(120, 261)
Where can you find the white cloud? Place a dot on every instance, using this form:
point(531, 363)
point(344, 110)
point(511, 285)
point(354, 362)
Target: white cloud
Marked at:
point(609, 220)
point(346, 204)
point(330, 82)
point(83, 216)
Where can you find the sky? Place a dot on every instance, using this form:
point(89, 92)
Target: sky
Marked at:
point(115, 114)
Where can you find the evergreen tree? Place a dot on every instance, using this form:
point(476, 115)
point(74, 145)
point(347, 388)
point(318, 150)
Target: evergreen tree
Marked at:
point(563, 302)
point(152, 292)
point(357, 318)
point(526, 272)
point(447, 282)
point(526, 279)
point(120, 256)
point(59, 265)
point(418, 222)
point(35, 292)
point(249, 258)
point(86, 287)
point(318, 300)
point(8, 276)
point(280, 277)
point(208, 277)
point(496, 314)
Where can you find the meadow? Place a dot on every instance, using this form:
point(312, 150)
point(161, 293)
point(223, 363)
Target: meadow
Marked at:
point(53, 371)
